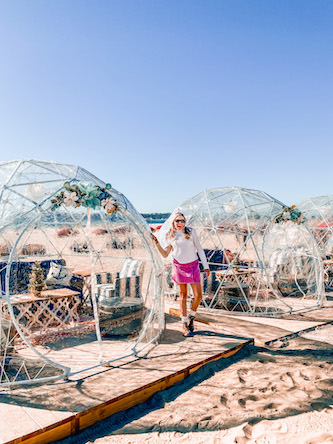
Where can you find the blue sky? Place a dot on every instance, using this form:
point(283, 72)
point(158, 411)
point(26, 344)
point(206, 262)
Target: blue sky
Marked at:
point(166, 98)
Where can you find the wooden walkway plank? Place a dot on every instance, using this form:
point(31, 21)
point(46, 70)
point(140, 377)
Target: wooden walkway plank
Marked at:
point(10, 429)
point(64, 408)
point(233, 325)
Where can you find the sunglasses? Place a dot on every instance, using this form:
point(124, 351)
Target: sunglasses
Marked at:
point(180, 221)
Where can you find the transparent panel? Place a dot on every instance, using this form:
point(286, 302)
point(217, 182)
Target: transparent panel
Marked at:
point(319, 215)
point(293, 266)
point(231, 223)
point(76, 280)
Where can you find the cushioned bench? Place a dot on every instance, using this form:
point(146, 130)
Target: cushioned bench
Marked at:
point(126, 283)
point(19, 274)
point(121, 308)
point(215, 258)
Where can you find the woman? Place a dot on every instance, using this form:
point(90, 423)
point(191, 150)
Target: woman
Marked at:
point(184, 243)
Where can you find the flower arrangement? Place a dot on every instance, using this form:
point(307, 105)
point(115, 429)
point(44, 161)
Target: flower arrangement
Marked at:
point(87, 195)
point(290, 214)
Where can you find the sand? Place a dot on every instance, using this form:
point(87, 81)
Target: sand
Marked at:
point(268, 395)
point(280, 393)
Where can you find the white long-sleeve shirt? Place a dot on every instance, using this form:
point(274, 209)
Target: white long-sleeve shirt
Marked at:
point(185, 250)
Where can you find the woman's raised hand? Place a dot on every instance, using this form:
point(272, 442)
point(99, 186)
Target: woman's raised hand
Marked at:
point(154, 238)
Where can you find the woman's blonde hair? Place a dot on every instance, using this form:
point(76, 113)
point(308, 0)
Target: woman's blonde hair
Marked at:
point(171, 233)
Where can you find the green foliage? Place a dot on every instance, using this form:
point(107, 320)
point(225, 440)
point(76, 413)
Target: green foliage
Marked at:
point(85, 194)
point(292, 214)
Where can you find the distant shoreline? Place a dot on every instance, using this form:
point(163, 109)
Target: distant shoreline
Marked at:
point(156, 218)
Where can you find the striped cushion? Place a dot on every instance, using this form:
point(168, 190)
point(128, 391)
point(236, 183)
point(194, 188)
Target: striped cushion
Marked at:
point(126, 283)
point(129, 268)
point(100, 289)
point(102, 281)
point(128, 287)
point(104, 278)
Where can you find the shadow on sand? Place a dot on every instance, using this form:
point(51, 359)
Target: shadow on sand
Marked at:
point(159, 400)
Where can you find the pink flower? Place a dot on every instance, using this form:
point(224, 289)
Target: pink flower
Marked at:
point(109, 204)
point(70, 199)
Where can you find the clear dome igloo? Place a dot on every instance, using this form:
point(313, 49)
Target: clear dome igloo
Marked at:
point(250, 271)
point(319, 214)
point(77, 270)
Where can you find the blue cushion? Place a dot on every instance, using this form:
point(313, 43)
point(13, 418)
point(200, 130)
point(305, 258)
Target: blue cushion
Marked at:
point(214, 259)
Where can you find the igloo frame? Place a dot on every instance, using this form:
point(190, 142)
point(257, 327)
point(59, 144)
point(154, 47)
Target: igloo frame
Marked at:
point(260, 263)
point(319, 214)
point(78, 272)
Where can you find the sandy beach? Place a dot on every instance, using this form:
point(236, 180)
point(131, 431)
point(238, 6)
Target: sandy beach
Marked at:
point(278, 393)
point(140, 141)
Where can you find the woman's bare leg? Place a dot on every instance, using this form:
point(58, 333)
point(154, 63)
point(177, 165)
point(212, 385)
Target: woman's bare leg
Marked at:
point(183, 309)
point(183, 297)
point(197, 292)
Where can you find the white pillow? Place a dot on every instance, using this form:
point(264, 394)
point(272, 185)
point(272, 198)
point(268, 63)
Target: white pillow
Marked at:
point(58, 275)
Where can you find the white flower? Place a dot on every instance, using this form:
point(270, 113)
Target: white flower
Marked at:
point(70, 199)
point(109, 204)
point(286, 215)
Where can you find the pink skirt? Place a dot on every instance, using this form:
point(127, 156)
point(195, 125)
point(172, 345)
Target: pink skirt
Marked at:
point(186, 273)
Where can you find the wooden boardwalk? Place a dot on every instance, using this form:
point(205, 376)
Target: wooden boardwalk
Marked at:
point(42, 414)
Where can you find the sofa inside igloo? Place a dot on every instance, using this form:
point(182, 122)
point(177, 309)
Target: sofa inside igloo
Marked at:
point(233, 224)
point(79, 274)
